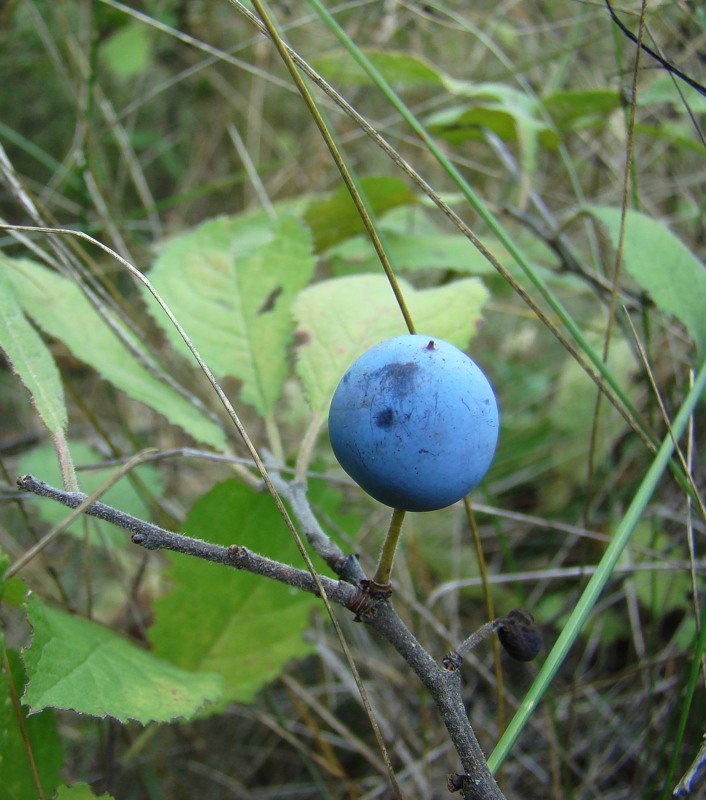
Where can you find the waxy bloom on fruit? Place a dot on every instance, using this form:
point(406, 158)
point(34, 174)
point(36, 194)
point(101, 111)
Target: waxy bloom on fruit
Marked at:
point(414, 422)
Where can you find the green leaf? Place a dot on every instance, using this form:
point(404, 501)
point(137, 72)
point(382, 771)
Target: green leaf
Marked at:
point(232, 290)
point(13, 590)
point(127, 52)
point(42, 461)
point(416, 251)
point(339, 319)
point(572, 109)
point(45, 745)
point(572, 410)
point(336, 218)
point(397, 67)
point(241, 625)
point(510, 114)
point(659, 591)
point(662, 265)
point(59, 307)
point(76, 664)
point(414, 242)
point(677, 133)
point(437, 251)
point(31, 360)
point(678, 94)
point(78, 791)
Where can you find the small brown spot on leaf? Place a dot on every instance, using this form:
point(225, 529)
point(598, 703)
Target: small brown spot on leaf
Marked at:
point(269, 302)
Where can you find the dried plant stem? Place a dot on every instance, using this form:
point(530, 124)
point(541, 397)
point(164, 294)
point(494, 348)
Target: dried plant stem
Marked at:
point(489, 609)
point(348, 179)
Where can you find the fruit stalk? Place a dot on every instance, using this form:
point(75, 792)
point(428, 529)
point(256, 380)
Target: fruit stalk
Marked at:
point(387, 554)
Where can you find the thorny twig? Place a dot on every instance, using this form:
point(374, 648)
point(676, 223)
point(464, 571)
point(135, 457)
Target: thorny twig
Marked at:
point(443, 683)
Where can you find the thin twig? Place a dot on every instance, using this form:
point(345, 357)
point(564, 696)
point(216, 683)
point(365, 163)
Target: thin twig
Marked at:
point(152, 537)
point(444, 685)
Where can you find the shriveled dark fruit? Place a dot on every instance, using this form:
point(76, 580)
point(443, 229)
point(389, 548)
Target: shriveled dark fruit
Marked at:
point(519, 635)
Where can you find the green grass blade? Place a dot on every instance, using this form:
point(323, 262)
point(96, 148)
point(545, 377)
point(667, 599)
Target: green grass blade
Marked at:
point(597, 583)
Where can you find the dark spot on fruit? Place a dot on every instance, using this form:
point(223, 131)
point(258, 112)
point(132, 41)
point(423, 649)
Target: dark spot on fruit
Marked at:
point(397, 379)
point(385, 418)
point(431, 345)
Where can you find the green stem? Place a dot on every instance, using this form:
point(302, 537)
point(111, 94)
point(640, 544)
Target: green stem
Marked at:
point(387, 555)
point(273, 437)
point(306, 449)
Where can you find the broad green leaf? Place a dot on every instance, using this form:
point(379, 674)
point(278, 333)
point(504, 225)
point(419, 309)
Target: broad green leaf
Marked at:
point(335, 218)
point(398, 68)
point(13, 590)
point(59, 307)
point(30, 359)
point(510, 114)
point(339, 319)
point(73, 663)
point(461, 123)
point(662, 265)
point(678, 133)
point(414, 242)
point(78, 791)
point(572, 410)
point(241, 625)
point(126, 53)
point(42, 462)
point(16, 781)
point(416, 251)
point(659, 591)
point(665, 90)
point(232, 290)
point(572, 109)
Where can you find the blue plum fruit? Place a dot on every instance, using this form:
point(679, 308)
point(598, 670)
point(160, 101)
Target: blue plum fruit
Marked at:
point(415, 423)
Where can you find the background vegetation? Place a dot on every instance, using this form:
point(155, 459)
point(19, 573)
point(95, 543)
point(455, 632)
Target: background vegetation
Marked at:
point(172, 133)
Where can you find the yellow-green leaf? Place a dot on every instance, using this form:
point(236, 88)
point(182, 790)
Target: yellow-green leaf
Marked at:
point(30, 359)
point(73, 663)
point(59, 307)
point(662, 265)
point(397, 67)
point(232, 289)
point(339, 319)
